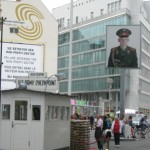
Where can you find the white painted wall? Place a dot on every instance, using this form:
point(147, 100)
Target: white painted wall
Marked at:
point(57, 132)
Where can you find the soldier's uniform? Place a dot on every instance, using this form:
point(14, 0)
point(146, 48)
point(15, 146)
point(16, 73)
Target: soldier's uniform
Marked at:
point(123, 58)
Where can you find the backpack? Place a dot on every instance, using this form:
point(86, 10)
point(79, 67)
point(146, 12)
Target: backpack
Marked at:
point(117, 126)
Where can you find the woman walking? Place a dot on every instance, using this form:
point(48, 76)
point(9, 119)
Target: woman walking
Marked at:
point(116, 130)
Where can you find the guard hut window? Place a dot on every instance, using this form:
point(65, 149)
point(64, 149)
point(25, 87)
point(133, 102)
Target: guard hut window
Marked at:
point(36, 112)
point(6, 111)
point(21, 110)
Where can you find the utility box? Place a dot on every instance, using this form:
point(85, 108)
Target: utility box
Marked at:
point(34, 120)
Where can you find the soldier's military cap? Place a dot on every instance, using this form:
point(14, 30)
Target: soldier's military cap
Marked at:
point(123, 32)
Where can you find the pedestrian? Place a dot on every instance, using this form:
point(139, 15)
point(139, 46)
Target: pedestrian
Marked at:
point(92, 122)
point(131, 125)
point(116, 130)
point(108, 121)
point(122, 126)
point(98, 132)
point(105, 123)
point(123, 55)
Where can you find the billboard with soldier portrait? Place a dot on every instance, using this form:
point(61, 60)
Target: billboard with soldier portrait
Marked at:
point(123, 47)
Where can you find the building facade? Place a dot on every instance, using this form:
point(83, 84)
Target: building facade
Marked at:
point(82, 53)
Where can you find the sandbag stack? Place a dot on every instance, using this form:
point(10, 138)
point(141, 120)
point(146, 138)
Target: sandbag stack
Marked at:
point(80, 135)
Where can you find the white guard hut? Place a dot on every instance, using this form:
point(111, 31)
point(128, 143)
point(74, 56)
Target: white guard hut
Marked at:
point(34, 120)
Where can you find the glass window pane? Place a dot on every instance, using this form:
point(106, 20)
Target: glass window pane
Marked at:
point(36, 112)
point(21, 110)
point(6, 111)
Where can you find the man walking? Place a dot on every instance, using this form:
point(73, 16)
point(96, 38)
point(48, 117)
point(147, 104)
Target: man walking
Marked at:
point(98, 131)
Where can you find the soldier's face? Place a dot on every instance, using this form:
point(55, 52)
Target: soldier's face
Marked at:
point(123, 41)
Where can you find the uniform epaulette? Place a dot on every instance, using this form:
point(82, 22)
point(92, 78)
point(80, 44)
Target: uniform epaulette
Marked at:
point(114, 49)
point(131, 48)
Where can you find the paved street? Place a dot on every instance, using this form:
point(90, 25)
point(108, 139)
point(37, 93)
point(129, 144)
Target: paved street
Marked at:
point(143, 144)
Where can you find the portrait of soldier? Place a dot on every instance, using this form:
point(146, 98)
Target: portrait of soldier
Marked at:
point(123, 55)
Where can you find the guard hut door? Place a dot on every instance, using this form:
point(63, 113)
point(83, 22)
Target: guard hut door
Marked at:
point(20, 125)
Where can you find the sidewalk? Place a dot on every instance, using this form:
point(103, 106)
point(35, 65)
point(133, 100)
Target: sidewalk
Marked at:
point(93, 145)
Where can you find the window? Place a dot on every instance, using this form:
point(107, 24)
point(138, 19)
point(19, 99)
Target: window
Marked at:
point(5, 111)
point(102, 11)
point(92, 14)
point(68, 22)
point(57, 113)
point(108, 8)
point(36, 112)
point(61, 23)
point(77, 19)
point(21, 110)
point(14, 30)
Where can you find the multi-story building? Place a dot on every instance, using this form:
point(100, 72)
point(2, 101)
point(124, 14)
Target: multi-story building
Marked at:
point(82, 52)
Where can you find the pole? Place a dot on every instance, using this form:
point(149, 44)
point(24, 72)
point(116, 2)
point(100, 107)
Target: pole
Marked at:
point(122, 91)
point(2, 21)
point(109, 99)
point(70, 49)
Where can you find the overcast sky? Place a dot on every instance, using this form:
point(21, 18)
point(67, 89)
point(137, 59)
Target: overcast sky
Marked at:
point(54, 3)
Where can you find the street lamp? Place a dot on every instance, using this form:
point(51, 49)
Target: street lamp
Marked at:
point(60, 76)
point(110, 82)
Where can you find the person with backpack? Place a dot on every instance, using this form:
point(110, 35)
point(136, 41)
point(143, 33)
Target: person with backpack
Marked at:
point(108, 121)
point(116, 130)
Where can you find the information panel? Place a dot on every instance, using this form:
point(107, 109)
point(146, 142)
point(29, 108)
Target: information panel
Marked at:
point(18, 60)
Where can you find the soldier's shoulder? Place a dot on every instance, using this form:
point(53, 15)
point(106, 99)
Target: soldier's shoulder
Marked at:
point(131, 48)
point(114, 49)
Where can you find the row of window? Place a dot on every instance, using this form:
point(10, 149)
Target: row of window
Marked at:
point(145, 59)
point(145, 72)
point(144, 85)
point(93, 30)
point(87, 45)
point(21, 111)
point(51, 112)
point(83, 59)
point(144, 111)
point(89, 58)
point(92, 71)
point(98, 29)
point(94, 84)
point(146, 46)
point(145, 32)
point(63, 50)
point(82, 46)
point(111, 7)
point(57, 113)
point(63, 62)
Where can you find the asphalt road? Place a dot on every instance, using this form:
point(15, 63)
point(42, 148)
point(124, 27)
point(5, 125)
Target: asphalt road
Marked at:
point(142, 144)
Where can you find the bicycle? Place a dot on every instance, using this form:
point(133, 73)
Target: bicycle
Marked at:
point(138, 133)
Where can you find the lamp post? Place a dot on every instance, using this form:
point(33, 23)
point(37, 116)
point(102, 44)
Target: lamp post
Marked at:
point(60, 76)
point(110, 82)
point(70, 50)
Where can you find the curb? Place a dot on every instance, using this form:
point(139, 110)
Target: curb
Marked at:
point(125, 139)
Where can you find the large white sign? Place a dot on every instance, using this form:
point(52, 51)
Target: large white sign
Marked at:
point(19, 60)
